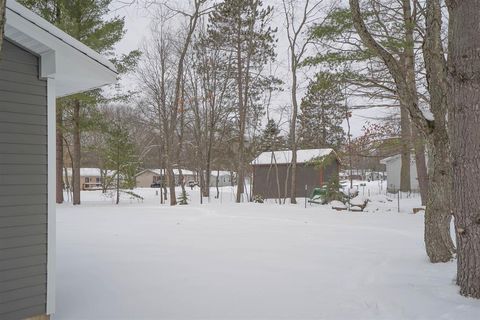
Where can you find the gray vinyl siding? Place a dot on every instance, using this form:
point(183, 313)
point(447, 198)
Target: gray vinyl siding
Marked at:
point(23, 185)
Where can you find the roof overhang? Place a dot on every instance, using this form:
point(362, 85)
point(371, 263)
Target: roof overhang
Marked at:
point(390, 159)
point(74, 66)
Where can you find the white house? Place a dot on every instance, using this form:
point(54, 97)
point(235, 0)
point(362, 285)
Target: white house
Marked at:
point(38, 63)
point(224, 178)
point(394, 165)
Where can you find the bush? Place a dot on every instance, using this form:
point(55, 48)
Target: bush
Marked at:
point(183, 198)
point(333, 191)
point(258, 199)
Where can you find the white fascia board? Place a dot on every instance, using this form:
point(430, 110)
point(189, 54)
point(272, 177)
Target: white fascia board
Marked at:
point(76, 67)
point(51, 193)
point(34, 19)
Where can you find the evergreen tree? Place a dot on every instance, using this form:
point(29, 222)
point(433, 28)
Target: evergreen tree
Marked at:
point(271, 140)
point(323, 113)
point(120, 156)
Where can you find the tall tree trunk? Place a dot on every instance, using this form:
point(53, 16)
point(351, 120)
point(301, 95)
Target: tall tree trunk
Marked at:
point(118, 174)
point(405, 185)
point(76, 152)
point(421, 164)
point(293, 136)
point(59, 156)
point(2, 24)
point(216, 184)
point(242, 123)
point(171, 185)
point(438, 242)
point(464, 122)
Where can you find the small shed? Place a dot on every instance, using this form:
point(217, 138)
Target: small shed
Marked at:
point(394, 168)
point(272, 171)
point(38, 63)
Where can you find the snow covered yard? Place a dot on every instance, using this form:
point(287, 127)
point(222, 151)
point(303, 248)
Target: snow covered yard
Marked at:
point(248, 261)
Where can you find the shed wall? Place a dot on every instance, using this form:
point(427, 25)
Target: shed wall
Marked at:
point(394, 168)
point(23, 185)
point(144, 180)
point(265, 179)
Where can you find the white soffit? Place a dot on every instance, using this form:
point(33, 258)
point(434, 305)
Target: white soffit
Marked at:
point(76, 67)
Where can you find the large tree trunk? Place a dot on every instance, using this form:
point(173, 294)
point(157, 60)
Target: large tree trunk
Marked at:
point(240, 167)
point(464, 121)
point(2, 23)
point(59, 156)
point(438, 242)
point(171, 184)
point(76, 152)
point(421, 165)
point(405, 185)
point(242, 122)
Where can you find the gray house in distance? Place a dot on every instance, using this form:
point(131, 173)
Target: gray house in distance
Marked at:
point(38, 63)
point(270, 170)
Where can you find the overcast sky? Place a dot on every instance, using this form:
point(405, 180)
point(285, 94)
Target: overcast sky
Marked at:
point(138, 19)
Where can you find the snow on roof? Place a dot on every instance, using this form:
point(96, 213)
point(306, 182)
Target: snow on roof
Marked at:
point(90, 172)
point(283, 157)
point(389, 159)
point(221, 172)
point(159, 171)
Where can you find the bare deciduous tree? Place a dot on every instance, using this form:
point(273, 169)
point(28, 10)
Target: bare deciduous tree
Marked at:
point(437, 217)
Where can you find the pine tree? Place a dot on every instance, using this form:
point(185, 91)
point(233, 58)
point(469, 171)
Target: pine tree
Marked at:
point(271, 140)
point(240, 29)
point(322, 113)
point(183, 198)
point(120, 157)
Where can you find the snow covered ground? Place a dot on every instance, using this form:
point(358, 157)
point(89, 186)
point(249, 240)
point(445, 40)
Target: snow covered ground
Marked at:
point(141, 260)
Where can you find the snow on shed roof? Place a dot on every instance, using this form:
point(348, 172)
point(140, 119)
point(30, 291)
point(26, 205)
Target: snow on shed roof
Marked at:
point(90, 172)
point(283, 157)
point(159, 171)
point(214, 172)
point(389, 159)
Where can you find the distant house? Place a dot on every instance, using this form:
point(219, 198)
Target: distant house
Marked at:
point(38, 63)
point(270, 171)
point(225, 178)
point(394, 165)
point(147, 177)
point(90, 178)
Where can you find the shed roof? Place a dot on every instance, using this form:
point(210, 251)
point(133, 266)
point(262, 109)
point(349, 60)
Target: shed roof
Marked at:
point(285, 156)
point(159, 172)
point(74, 66)
point(91, 172)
